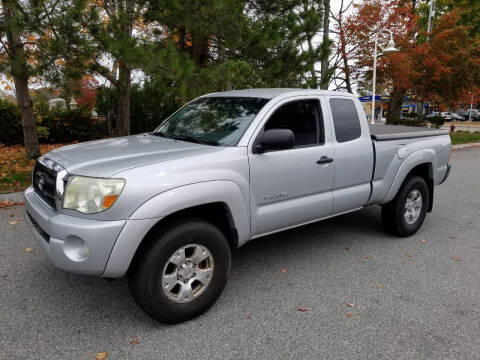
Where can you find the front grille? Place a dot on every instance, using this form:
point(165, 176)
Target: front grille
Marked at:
point(44, 178)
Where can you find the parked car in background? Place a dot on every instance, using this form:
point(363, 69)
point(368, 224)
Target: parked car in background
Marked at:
point(463, 114)
point(446, 115)
point(475, 114)
point(433, 114)
point(456, 117)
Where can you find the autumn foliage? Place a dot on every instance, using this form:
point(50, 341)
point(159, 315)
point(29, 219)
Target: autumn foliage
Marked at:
point(439, 66)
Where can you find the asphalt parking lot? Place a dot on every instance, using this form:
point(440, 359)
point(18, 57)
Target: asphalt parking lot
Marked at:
point(413, 298)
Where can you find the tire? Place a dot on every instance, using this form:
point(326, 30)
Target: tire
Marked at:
point(154, 268)
point(399, 220)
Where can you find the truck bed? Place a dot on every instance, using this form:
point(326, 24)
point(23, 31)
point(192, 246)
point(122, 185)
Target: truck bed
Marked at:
point(395, 132)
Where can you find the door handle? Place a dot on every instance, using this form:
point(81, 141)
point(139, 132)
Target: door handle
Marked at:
point(325, 160)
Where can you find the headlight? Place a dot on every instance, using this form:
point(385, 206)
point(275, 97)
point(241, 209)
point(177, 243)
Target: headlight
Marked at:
point(91, 195)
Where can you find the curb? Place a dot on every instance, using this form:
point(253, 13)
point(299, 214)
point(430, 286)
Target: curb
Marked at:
point(14, 197)
point(466, 146)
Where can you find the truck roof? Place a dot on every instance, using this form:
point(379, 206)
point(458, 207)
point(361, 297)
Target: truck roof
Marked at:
point(270, 93)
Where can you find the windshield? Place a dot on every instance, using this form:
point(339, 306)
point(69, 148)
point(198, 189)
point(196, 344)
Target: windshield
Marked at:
point(212, 120)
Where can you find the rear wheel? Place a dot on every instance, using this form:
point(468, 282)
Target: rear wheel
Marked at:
point(405, 214)
point(181, 272)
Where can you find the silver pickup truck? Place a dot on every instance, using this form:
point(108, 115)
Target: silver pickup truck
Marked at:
point(168, 208)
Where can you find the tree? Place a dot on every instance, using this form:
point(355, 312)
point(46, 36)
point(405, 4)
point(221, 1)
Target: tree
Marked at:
point(108, 27)
point(395, 72)
point(15, 49)
point(449, 63)
point(35, 38)
point(345, 49)
point(325, 49)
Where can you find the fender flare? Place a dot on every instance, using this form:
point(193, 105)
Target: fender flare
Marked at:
point(143, 219)
point(425, 156)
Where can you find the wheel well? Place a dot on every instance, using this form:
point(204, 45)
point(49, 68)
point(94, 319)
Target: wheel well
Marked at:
point(217, 213)
point(425, 171)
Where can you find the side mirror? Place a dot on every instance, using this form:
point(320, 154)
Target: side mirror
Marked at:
point(276, 139)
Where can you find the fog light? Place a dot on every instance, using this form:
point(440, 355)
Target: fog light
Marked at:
point(75, 249)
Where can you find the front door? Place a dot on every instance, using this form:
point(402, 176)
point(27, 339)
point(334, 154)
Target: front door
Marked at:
point(294, 186)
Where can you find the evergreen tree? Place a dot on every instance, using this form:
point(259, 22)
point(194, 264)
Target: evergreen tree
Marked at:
point(34, 43)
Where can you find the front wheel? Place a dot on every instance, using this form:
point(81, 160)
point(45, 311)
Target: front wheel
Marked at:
point(405, 214)
point(181, 272)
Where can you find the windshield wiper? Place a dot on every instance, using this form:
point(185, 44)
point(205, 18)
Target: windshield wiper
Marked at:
point(188, 138)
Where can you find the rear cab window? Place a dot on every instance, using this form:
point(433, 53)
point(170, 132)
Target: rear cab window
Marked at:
point(345, 120)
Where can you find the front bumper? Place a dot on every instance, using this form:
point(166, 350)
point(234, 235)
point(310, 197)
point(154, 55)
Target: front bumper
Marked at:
point(76, 245)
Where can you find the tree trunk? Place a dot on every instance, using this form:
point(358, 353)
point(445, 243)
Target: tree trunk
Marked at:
point(420, 109)
point(199, 50)
point(343, 49)
point(395, 105)
point(123, 84)
point(324, 78)
point(122, 123)
point(20, 73)
point(29, 124)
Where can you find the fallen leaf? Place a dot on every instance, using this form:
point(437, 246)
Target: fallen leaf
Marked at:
point(134, 342)
point(28, 249)
point(368, 257)
point(380, 286)
point(302, 309)
point(409, 255)
point(349, 314)
point(14, 222)
point(347, 248)
point(101, 356)
point(11, 215)
point(423, 241)
point(6, 203)
point(351, 305)
point(455, 258)
point(284, 271)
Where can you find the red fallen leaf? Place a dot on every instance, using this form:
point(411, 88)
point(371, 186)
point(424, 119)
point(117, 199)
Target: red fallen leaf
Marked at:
point(349, 314)
point(409, 255)
point(11, 215)
point(284, 271)
point(351, 305)
point(380, 286)
point(347, 248)
point(134, 342)
point(302, 309)
point(6, 203)
point(455, 258)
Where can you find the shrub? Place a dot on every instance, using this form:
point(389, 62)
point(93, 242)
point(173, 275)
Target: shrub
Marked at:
point(436, 121)
point(71, 125)
point(10, 124)
point(408, 121)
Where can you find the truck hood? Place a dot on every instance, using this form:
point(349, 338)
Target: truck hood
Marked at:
point(104, 158)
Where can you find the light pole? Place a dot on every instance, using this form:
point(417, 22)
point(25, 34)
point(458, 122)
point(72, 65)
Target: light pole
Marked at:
point(471, 107)
point(389, 49)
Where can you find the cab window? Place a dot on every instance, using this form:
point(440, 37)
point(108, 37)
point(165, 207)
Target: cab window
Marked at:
point(302, 118)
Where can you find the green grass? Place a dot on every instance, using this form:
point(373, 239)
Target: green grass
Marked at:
point(464, 137)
